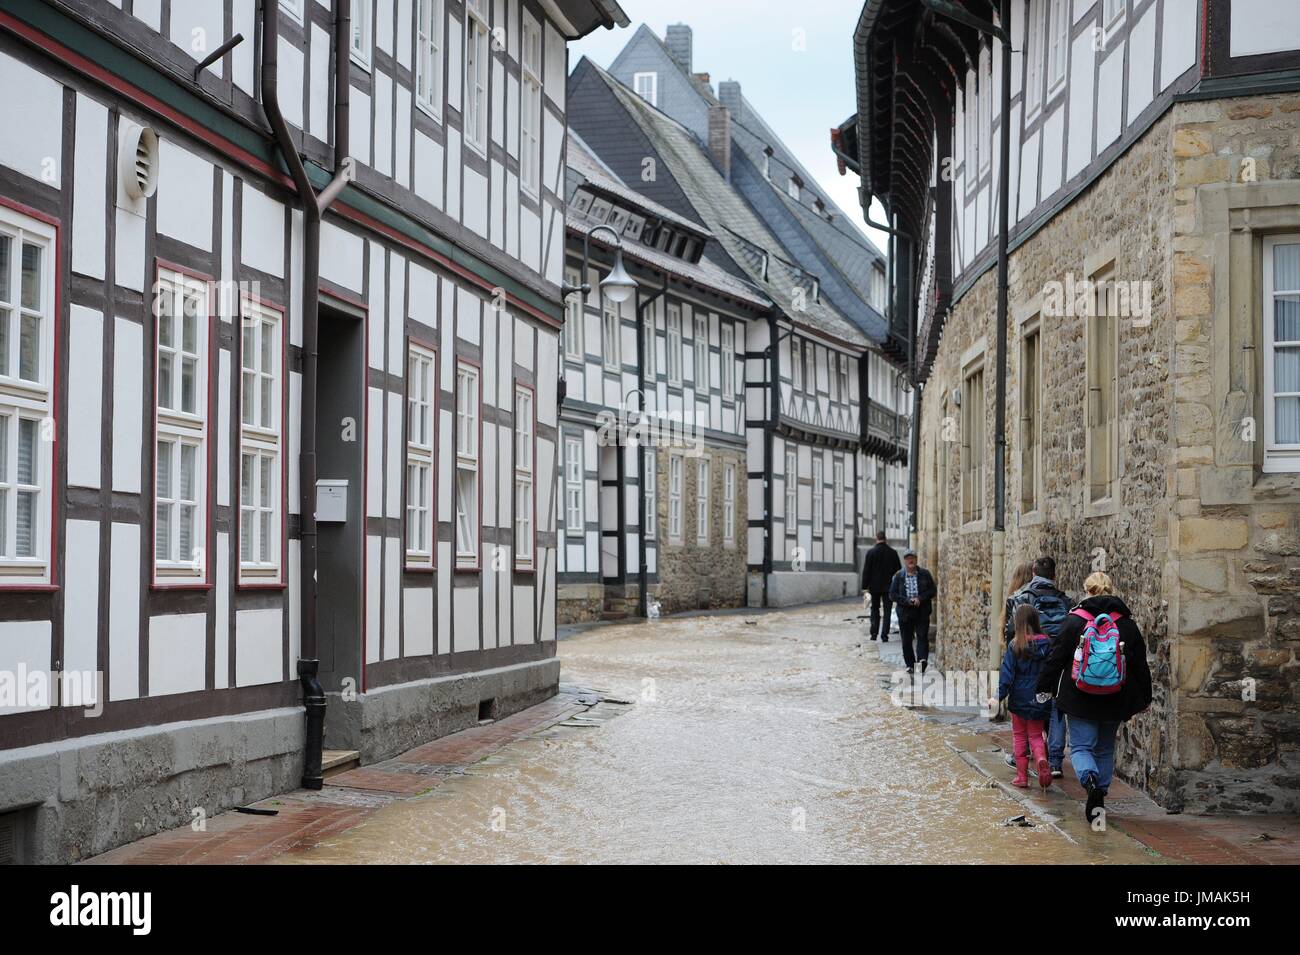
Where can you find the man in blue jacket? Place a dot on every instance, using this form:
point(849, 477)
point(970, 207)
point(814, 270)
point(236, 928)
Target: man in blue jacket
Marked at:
point(912, 590)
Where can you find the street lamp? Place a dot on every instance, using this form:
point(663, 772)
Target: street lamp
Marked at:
point(618, 286)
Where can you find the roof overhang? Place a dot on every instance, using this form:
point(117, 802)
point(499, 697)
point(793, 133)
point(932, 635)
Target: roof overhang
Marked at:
point(577, 18)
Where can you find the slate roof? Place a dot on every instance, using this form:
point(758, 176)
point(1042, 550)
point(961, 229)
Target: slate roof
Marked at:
point(845, 256)
point(586, 169)
point(733, 223)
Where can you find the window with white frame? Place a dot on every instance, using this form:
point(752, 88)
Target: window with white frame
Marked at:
point(649, 360)
point(701, 353)
point(181, 390)
point(728, 383)
point(845, 394)
point(476, 75)
point(1102, 361)
point(646, 86)
point(837, 500)
point(27, 263)
point(1112, 13)
point(675, 498)
point(261, 440)
point(986, 108)
point(729, 503)
point(429, 19)
point(796, 364)
point(792, 189)
point(467, 465)
point(574, 316)
point(810, 366)
point(530, 107)
point(791, 491)
point(834, 373)
point(293, 8)
point(818, 494)
point(573, 486)
point(1058, 44)
point(651, 497)
point(970, 105)
point(972, 444)
point(702, 501)
point(361, 33)
point(525, 455)
point(1034, 59)
point(1281, 262)
point(421, 425)
point(612, 331)
point(674, 345)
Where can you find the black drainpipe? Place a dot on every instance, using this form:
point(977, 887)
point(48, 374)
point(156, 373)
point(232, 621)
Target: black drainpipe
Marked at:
point(643, 564)
point(774, 400)
point(308, 663)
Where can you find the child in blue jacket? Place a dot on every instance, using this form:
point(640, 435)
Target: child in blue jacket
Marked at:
point(1025, 655)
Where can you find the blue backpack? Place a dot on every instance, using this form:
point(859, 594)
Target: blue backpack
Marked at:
point(1099, 657)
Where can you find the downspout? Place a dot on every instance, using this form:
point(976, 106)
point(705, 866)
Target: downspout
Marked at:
point(308, 662)
point(774, 399)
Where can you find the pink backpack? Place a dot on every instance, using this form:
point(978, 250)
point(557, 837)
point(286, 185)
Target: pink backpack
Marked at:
point(1099, 658)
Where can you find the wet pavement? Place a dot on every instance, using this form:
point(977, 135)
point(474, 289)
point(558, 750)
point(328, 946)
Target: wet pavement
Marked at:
point(743, 739)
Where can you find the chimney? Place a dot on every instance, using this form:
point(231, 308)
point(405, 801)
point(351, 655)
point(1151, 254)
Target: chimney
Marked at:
point(720, 139)
point(729, 94)
point(678, 40)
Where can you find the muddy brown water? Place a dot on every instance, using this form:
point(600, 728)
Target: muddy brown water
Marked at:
point(760, 739)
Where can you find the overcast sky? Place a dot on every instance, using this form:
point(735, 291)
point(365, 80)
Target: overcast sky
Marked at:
point(794, 63)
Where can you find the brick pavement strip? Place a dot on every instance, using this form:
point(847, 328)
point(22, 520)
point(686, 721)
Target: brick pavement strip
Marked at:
point(305, 819)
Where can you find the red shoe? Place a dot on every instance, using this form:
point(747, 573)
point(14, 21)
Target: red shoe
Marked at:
point(1044, 772)
point(1022, 773)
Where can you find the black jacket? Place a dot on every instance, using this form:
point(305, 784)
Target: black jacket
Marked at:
point(879, 568)
point(925, 590)
point(1055, 676)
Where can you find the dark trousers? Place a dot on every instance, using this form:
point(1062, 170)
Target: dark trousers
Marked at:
point(881, 606)
point(915, 625)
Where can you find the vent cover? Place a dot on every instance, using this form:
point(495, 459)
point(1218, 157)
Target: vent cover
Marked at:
point(9, 838)
point(138, 161)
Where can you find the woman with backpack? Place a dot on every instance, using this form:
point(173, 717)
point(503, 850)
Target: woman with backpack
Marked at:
point(1021, 665)
point(1099, 675)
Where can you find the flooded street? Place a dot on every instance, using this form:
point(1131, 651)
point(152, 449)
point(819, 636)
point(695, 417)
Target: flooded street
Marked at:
point(746, 739)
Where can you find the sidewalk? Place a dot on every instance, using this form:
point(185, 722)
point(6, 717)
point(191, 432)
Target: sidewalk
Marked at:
point(1175, 837)
point(304, 818)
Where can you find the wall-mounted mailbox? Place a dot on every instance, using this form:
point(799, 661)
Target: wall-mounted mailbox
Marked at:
point(331, 501)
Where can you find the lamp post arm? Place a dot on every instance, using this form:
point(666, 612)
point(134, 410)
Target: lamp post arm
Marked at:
point(566, 290)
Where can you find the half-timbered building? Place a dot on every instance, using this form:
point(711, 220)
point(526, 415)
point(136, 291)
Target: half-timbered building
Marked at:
point(279, 361)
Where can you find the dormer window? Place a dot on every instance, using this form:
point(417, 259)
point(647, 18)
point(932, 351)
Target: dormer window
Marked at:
point(767, 163)
point(792, 187)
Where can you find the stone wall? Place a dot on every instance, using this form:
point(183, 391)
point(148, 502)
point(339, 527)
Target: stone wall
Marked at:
point(1236, 549)
point(695, 576)
point(1125, 217)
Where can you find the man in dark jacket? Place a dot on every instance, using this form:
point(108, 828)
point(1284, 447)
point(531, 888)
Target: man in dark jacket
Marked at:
point(913, 590)
point(1094, 718)
point(1052, 605)
point(877, 571)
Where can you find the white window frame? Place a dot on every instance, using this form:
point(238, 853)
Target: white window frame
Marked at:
point(611, 333)
point(525, 469)
point(477, 65)
point(674, 342)
point(1278, 457)
point(819, 493)
point(1101, 333)
point(1034, 59)
point(28, 398)
point(796, 364)
point(638, 82)
point(1112, 15)
point(791, 492)
point(703, 477)
point(650, 495)
point(649, 337)
point(700, 345)
point(675, 498)
point(1058, 45)
point(985, 100)
point(792, 189)
point(430, 33)
point(846, 393)
point(575, 315)
point(575, 494)
point(261, 437)
point(530, 108)
point(179, 428)
point(361, 43)
point(970, 110)
point(728, 361)
point(469, 439)
point(729, 503)
point(421, 454)
point(293, 8)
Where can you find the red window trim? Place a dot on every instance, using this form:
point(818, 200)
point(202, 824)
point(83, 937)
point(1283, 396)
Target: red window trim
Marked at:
point(51, 584)
point(212, 412)
point(435, 457)
point(238, 352)
point(531, 566)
